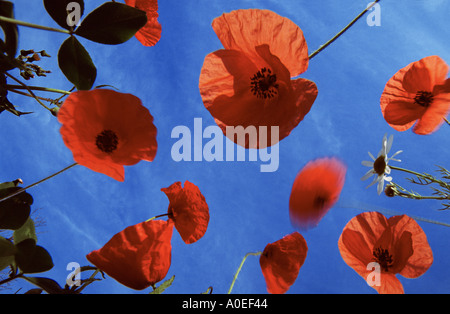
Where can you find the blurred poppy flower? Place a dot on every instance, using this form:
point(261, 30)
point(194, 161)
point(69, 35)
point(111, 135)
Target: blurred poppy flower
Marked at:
point(106, 130)
point(150, 34)
point(397, 244)
point(188, 210)
point(248, 83)
point(281, 261)
point(315, 190)
point(420, 92)
point(139, 256)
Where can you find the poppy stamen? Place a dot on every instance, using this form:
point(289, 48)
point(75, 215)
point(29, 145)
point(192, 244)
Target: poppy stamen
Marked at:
point(423, 98)
point(383, 258)
point(379, 165)
point(107, 141)
point(263, 84)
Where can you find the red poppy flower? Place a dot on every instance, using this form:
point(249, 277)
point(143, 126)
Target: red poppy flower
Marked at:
point(188, 209)
point(150, 34)
point(420, 92)
point(281, 261)
point(315, 190)
point(249, 84)
point(106, 130)
point(139, 256)
point(397, 244)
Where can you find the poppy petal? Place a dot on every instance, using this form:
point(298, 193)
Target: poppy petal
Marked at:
point(246, 29)
point(281, 261)
point(401, 115)
point(422, 257)
point(389, 284)
point(434, 115)
point(424, 74)
point(355, 251)
point(139, 256)
point(315, 190)
point(188, 209)
point(150, 34)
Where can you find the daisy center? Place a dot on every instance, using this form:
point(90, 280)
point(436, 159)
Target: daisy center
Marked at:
point(383, 258)
point(264, 84)
point(379, 165)
point(107, 141)
point(423, 98)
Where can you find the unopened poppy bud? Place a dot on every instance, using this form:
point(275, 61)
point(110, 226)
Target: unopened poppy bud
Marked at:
point(17, 182)
point(390, 191)
point(54, 111)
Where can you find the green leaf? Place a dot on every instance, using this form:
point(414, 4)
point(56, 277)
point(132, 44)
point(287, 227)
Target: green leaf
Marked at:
point(27, 231)
point(48, 285)
point(76, 64)
point(166, 284)
point(14, 211)
point(61, 11)
point(32, 258)
point(7, 251)
point(112, 23)
point(9, 29)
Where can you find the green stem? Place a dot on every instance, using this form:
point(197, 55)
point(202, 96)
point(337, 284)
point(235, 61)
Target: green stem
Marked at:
point(426, 177)
point(44, 89)
point(448, 122)
point(24, 86)
point(162, 215)
point(38, 97)
point(36, 183)
point(240, 267)
point(22, 23)
point(342, 31)
point(420, 197)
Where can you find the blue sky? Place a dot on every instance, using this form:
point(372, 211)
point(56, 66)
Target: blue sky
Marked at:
point(83, 209)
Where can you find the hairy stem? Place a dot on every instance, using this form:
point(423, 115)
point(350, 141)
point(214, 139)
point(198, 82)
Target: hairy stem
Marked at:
point(342, 31)
point(44, 89)
point(36, 183)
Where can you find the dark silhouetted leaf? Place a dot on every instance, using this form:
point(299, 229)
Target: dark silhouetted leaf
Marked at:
point(76, 64)
point(48, 285)
point(27, 231)
point(34, 291)
point(32, 258)
point(14, 211)
point(60, 11)
point(7, 251)
point(112, 23)
point(9, 45)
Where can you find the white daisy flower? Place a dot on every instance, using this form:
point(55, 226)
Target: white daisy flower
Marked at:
point(379, 165)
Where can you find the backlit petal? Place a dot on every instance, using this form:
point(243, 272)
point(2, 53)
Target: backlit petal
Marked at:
point(139, 256)
point(246, 29)
point(281, 261)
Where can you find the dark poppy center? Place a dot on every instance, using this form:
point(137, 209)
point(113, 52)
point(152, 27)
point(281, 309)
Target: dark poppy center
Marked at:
point(320, 201)
point(379, 165)
point(423, 98)
point(383, 258)
point(264, 84)
point(107, 141)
